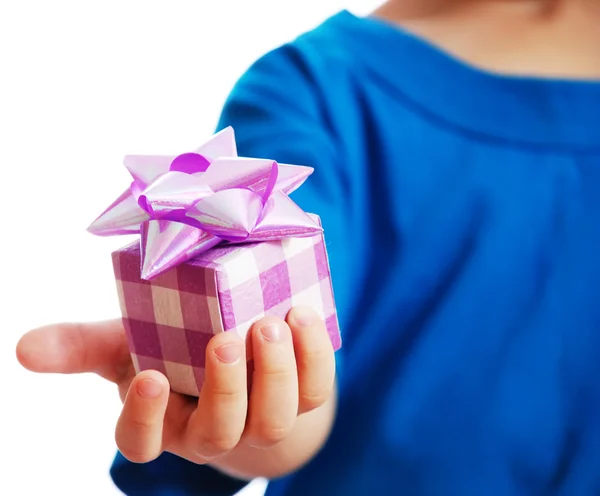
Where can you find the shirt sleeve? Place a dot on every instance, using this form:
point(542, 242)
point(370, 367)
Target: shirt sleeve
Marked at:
point(170, 475)
point(279, 112)
point(276, 113)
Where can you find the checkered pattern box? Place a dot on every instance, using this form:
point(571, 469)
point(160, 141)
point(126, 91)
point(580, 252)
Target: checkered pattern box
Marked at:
point(170, 319)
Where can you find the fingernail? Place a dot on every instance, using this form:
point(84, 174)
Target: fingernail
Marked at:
point(229, 353)
point(304, 316)
point(149, 388)
point(273, 332)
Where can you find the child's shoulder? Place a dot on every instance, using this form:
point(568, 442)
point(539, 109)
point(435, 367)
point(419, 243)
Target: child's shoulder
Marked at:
point(342, 45)
point(322, 48)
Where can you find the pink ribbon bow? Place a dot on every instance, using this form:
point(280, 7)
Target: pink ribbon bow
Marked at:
point(185, 205)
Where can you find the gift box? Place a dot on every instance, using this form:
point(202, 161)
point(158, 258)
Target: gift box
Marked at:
point(221, 245)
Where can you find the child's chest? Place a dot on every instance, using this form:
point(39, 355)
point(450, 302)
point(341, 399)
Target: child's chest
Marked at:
point(492, 294)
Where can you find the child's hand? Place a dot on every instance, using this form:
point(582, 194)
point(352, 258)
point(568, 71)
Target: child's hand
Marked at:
point(293, 374)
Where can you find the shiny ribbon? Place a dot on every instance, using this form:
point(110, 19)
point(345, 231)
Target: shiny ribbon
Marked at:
point(184, 205)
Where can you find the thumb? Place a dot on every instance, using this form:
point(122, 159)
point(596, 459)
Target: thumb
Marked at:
point(76, 348)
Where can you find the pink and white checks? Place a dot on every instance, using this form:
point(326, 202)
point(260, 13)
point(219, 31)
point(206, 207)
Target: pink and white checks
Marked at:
point(170, 319)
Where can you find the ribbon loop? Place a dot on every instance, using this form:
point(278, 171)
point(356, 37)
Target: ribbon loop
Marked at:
point(190, 163)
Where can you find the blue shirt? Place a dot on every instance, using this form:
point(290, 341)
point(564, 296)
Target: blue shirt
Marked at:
point(462, 215)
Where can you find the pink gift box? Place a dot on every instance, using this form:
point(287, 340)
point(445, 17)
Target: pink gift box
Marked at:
point(170, 319)
point(221, 245)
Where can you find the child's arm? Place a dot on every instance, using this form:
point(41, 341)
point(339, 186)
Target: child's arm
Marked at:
point(277, 113)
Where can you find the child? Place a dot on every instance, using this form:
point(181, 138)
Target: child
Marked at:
point(457, 153)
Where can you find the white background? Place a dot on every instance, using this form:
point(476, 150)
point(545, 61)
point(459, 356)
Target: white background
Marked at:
point(83, 83)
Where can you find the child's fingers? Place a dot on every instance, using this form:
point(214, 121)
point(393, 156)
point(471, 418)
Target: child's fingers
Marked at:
point(274, 395)
point(218, 423)
point(99, 347)
point(314, 357)
point(140, 426)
